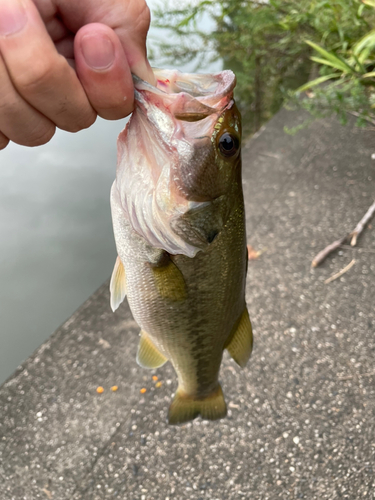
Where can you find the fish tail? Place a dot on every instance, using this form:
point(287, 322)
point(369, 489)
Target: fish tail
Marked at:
point(185, 408)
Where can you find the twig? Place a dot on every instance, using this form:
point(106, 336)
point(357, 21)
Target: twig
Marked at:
point(340, 273)
point(361, 224)
point(269, 155)
point(48, 493)
point(232, 405)
point(318, 259)
point(353, 237)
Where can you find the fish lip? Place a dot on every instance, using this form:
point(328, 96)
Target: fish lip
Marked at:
point(187, 97)
point(226, 81)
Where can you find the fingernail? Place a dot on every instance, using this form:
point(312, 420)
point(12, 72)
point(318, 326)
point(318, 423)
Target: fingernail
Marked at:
point(98, 51)
point(12, 18)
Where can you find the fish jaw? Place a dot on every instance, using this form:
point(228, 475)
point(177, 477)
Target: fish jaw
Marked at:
point(168, 135)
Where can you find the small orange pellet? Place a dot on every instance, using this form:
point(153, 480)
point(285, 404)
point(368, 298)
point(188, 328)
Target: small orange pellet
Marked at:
point(114, 388)
point(100, 389)
point(154, 378)
point(158, 384)
point(143, 390)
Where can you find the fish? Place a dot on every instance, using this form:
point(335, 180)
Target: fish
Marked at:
point(179, 226)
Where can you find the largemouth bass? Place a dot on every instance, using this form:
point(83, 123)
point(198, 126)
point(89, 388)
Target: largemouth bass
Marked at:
point(179, 225)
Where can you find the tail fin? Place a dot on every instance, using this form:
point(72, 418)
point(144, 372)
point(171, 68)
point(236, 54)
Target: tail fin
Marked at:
point(185, 408)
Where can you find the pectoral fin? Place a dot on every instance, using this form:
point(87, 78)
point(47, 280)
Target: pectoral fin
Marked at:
point(148, 356)
point(169, 281)
point(185, 408)
point(240, 342)
point(117, 286)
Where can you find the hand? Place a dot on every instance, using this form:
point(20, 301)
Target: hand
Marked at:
point(63, 62)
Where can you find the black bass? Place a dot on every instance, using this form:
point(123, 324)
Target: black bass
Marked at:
point(179, 225)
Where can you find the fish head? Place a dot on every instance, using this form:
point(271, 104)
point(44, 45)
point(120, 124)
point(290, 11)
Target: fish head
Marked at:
point(180, 150)
point(209, 159)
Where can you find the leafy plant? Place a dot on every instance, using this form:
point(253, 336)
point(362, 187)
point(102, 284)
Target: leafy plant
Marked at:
point(353, 90)
point(264, 43)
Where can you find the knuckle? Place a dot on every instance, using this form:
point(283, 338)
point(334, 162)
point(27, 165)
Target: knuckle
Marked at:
point(37, 75)
point(40, 136)
point(89, 120)
point(81, 122)
point(143, 20)
point(145, 13)
point(9, 103)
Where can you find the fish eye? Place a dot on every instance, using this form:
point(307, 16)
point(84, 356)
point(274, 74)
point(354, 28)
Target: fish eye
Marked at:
point(228, 145)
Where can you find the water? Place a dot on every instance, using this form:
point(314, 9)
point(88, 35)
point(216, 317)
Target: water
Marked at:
point(57, 244)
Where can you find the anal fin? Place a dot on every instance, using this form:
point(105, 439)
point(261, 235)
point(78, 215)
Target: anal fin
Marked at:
point(149, 356)
point(117, 286)
point(240, 342)
point(185, 408)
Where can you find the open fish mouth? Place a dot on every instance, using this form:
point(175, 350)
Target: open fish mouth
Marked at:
point(171, 128)
point(189, 96)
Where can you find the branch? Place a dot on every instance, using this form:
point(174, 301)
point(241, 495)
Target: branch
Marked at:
point(353, 236)
point(340, 273)
point(361, 224)
point(323, 254)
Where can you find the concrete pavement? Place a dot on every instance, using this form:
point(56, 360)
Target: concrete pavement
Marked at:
point(301, 419)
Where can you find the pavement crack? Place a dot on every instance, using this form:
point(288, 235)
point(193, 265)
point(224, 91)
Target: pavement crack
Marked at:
point(99, 455)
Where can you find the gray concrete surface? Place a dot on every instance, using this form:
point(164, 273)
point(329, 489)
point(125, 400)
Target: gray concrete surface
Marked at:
point(301, 420)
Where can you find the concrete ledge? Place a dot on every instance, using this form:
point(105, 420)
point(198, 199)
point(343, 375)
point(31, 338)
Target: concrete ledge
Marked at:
point(301, 420)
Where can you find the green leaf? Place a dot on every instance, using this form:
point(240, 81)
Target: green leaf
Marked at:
point(325, 62)
point(362, 69)
point(369, 2)
point(369, 75)
point(335, 60)
point(317, 81)
point(194, 14)
point(365, 43)
point(187, 20)
point(363, 56)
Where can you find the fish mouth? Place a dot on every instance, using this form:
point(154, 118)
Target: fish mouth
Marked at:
point(187, 97)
